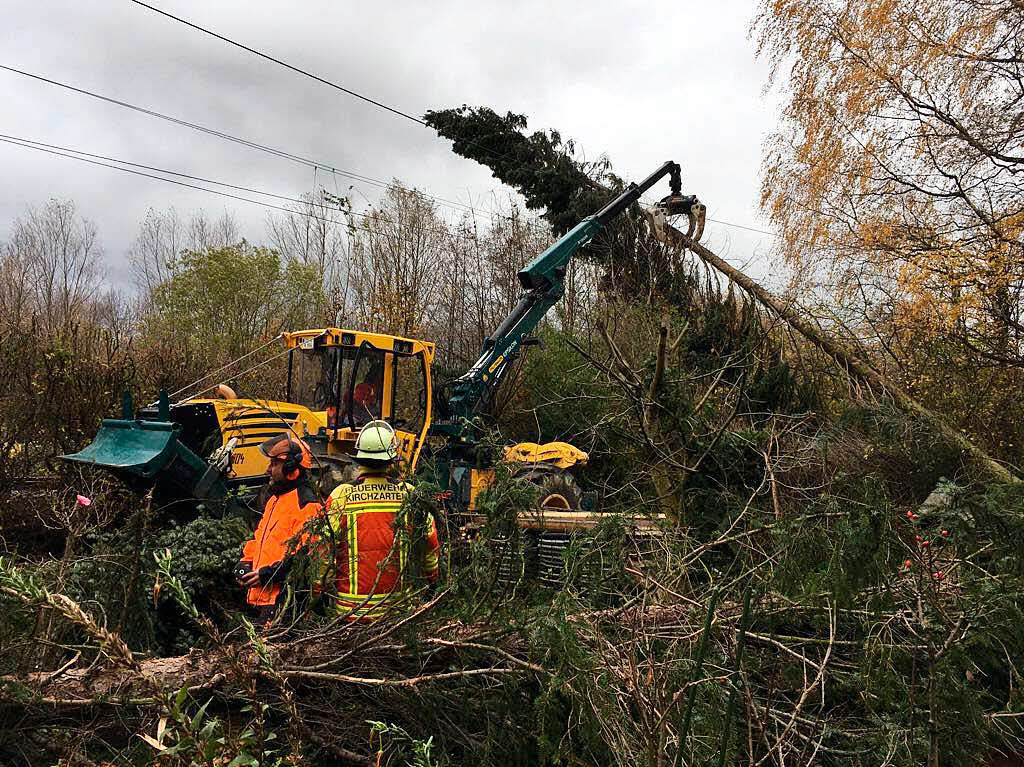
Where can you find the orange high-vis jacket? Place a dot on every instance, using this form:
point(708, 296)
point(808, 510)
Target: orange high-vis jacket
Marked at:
point(369, 562)
point(279, 534)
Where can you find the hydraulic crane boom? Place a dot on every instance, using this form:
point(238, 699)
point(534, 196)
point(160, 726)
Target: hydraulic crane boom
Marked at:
point(168, 451)
point(544, 282)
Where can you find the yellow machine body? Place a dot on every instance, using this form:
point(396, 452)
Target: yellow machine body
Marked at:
point(318, 399)
point(251, 422)
point(403, 393)
point(560, 455)
point(338, 380)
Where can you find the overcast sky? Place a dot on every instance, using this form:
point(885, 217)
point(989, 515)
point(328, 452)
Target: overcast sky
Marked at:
point(642, 82)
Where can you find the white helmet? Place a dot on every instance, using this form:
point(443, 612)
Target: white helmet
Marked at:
point(376, 444)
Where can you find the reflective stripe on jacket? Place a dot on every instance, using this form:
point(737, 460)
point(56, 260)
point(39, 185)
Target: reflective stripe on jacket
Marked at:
point(284, 516)
point(368, 563)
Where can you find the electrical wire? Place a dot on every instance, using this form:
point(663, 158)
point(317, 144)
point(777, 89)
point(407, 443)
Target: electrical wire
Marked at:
point(78, 154)
point(75, 156)
point(251, 190)
point(367, 99)
point(246, 372)
point(27, 145)
point(299, 70)
point(96, 159)
point(284, 64)
point(315, 164)
point(274, 151)
point(160, 170)
point(186, 387)
point(746, 228)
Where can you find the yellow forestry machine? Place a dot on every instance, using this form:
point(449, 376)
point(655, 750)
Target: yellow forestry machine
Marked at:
point(338, 380)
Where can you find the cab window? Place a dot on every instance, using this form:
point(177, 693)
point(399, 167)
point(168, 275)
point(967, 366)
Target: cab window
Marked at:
point(410, 400)
point(365, 395)
point(316, 375)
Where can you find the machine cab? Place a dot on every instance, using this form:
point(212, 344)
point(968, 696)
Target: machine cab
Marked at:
point(348, 378)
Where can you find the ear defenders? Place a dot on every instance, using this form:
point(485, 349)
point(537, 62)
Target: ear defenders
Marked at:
point(293, 453)
point(290, 464)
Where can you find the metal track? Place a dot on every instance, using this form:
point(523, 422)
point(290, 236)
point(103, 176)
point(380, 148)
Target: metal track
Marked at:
point(551, 558)
point(516, 560)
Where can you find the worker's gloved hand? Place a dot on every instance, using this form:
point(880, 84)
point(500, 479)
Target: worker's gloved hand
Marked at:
point(276, 572)
point(267, 573)
point(242, 569)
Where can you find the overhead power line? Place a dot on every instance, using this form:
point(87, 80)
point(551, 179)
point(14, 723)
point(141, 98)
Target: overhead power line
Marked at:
point(284, 64)
point(301, 71)
point(282, 153)
point(649, 202)
point(293, 157)
point(747, 228)
point(285, 154)
point(159, 170)
point(285, 198)
point(381, 105)
point(108, 162)
point(115, 163)
point(74, 155)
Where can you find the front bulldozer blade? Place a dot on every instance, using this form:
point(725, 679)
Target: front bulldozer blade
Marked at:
point(140, 449)
point(143, 452)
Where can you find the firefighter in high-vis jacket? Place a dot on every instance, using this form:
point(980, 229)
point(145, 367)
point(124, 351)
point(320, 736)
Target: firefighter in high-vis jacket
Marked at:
point(288, 504)
point(372, 541)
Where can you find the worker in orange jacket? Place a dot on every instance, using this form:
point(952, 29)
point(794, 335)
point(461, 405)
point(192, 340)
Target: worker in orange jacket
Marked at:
point(370, 557)
point(288, 504)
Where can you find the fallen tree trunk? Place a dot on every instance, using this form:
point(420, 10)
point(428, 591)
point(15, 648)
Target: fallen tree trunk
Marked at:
point(530, 164)
point(226, 669)
point(845, 358)
point(114, 685)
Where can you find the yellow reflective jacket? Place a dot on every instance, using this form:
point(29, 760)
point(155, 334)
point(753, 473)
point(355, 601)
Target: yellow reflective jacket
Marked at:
point(370, 559)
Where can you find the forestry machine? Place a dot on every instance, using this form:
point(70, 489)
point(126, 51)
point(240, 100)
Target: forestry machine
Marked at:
point(338, 380)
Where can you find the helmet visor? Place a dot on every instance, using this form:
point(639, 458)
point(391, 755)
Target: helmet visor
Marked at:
point(277, 446)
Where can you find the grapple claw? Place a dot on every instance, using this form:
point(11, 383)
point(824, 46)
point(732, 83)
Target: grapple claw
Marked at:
point(698, 212)
point(677, 205)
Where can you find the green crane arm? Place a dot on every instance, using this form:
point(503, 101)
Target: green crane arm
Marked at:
point(544, 282)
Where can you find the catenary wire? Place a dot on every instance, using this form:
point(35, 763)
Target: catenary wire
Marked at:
point(350, 92)
point(95, 158)
point(224, 367)
point(160, 170)
point(284, 64)
point(203, 179)
point(274, 151)
point(292, 211)
point(299, 70)
point(246, 372)
point(284, 154)
point(106, 162)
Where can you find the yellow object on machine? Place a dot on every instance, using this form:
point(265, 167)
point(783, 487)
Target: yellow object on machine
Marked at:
point(559, 454)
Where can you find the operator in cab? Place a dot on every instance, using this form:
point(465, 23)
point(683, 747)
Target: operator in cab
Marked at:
point(363, 401)
point(370, 559)
point(366, 395)
point(288, 503)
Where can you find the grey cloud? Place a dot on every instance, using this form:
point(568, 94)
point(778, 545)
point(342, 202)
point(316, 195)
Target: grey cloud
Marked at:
point(642, 83)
